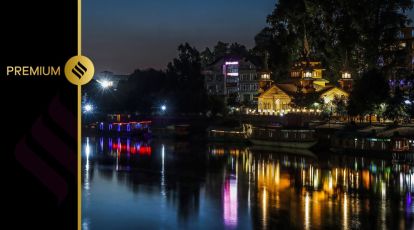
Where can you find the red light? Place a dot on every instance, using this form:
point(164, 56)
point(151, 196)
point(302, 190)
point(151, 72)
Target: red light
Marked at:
point(133, 150)
point(145, 150)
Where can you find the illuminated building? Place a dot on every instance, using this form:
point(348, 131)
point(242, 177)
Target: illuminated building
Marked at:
point(346, 80)
point(306, 79)
point(265, 81)
point(232, 76)
point(405, 59)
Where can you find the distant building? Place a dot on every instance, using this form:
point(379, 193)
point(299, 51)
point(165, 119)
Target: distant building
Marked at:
point(405, 59)
point(232, 76)
point(306, 79)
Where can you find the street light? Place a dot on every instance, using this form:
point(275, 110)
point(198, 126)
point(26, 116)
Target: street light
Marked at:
point(105, 83)
point(163, 107)
point(88, 108)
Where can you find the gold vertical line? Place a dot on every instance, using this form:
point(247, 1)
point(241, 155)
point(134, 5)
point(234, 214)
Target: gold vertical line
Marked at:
point(79, 157)
point(79, 27)
point(79, 184)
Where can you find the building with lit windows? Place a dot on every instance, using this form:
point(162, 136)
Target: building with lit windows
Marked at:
point(405, 59)
point(306, 80)
point(232, 77)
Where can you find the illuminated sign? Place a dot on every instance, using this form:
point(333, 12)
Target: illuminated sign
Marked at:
point(231, 69)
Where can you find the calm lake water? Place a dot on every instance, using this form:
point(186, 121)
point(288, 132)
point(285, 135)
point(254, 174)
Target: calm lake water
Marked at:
point(167, 184)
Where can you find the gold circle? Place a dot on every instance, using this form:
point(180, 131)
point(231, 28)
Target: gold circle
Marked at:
point(79, 70)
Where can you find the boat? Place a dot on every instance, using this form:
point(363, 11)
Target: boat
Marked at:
point(221, 134)
point(382, 140)
point(283, 137)
point(140, 128)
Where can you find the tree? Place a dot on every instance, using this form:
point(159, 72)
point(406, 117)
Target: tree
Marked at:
point(207, 57)
point(370, 91)
point(186, 81)
point(367, 30)
point(233, 99)
point(220, 49)
point(239, 50)
point(216, 105)
point(302, 100)
point(340, 106)
point(396, 108)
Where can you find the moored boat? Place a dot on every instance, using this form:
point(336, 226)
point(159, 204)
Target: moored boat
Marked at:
point(283, 137)
point(384, 140)
point(124, 128)
point(227, 135)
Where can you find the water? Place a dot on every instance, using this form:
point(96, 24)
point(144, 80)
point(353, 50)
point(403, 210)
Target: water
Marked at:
point(167, 184)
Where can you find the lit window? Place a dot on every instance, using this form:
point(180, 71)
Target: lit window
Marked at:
point(346, 75)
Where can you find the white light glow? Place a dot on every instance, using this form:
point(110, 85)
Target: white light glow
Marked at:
point(106, 84)
point(88, 108)
point(163, 107)
point(231, 63)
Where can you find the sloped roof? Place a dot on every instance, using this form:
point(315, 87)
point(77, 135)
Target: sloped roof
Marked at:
point(288, 88)
point(291, 89)
point(272, 88)
point(331, 87)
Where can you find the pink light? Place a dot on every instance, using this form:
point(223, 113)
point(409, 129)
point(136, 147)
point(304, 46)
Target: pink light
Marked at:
point(232, 62)
point(230, 202)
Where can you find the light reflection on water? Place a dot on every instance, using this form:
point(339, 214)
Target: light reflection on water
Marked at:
point(130, 184)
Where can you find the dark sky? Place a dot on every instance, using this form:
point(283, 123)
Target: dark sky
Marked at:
point(122, 35)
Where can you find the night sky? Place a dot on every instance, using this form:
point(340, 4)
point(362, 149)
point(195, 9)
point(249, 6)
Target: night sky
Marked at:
point(122, 35)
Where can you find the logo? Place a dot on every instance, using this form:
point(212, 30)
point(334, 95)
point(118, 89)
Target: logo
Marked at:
point(79, 70)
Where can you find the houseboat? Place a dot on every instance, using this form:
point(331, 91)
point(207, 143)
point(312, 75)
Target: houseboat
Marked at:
point(391, 140)
point(128, 128)
point(283, 137)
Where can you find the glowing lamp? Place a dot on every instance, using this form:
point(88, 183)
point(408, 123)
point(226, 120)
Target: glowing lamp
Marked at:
point(346, 75)
point(88, 108)
point(308, 73)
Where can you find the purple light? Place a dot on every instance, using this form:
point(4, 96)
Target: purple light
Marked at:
point(230, 202)
point(101, 142)
point(110, 143)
